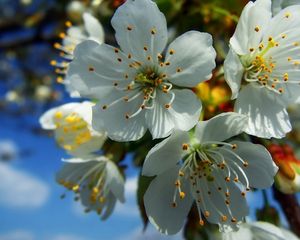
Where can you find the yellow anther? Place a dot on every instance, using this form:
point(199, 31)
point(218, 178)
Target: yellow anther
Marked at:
point(75, 188)
point(177, 183)
point(153, 31)
point(201, 222)
point(181, 174)
point(283, 36)
point(287, 15)
point(57, 45)
point(71, 118)
point(59, 80)
point(68, 24)
point(68, 147)
point(102, 199)
point(233, 220)
point(181, 195)
point(243, 194)
point(289, 59)
point(206, 214)
point(296, 44)
point(58, 115)
point(172, 51)
point(178, 70)
point(234, 146)
point(53, 63)
point(62, 35)
point(251, 49)
point(129, 27)
point(227, 179)
point(257, 29)
point(91, 69)
point(185, 146)
point(224, 218)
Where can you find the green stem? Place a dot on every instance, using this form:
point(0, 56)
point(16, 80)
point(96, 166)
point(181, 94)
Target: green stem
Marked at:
point(225, 12)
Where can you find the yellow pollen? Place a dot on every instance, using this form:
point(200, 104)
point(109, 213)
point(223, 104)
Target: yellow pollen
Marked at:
point(287, 15)
point(145, 48)
point(178, 70)
point(75, 188)
point(296, 44)
point(283, 36)
point(227, 179)
point(280, 90)
point(172, 51)
point(182, 195)
point(233, 220)
point(129, 27)
point(153, 31)
point(185, 146)
point(201, 222)
point(68, 24)
point(59, 80)
point(289, 59)
point(53, 63)
point(62, 35)
point(257, 29)
point(167, 63)
point(177, 183)
point(251, 49)
point(181, 174)
point(206, 214)
point(58, 115)
point(224, 218)
point(234, 146)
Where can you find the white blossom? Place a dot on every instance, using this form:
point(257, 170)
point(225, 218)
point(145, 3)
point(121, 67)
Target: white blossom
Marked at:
point(73, 132)
point(257, 231)
point(97, 183)
point(278, 5)
point(204, 169)
point(263, 67)
point(139, 87)
point(90, 30)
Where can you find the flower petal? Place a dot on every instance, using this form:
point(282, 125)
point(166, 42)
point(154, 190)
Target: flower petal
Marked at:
point(115, 181)
point(158, 201)
point(140, 24)
point(221, 127)
point(261, 168)
point(114, 120)
point(97, 68)
point(267, 117)
point(233, 71)
point(159, 120)
point(93, 27)
point(253, 22)
point(165, 155)
point(191, 59)
point(185, 109)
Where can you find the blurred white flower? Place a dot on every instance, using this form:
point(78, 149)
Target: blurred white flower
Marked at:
point(97, 183)
point(91, 30)
point(42, 93)
point(263, 67)
point(138, 88)
point(204, 169)
point(71, 123)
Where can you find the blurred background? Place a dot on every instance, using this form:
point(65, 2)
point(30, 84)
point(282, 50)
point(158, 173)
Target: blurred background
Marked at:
point(30, 203)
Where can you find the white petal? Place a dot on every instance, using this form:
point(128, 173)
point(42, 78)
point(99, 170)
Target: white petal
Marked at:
point(159, 120)
point(142, 17)
point(261, 169)
point(254, 15)
point(192, 60)
point(185, 109)
point(221, 127)
point(47, 119)
point(233, 72)
point(113, 119)
point(115, 180)
point(111, 203)
point(165, 155)
point(158, 201)
point(93, 27)
point(267, 117)
point(96, 68)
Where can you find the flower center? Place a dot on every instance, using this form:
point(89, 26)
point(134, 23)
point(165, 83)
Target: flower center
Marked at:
point(89, 178)
point(209, 175)
point(261, 67)
point(72, 131)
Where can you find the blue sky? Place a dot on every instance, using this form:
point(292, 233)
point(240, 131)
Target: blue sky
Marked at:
point(30, 204)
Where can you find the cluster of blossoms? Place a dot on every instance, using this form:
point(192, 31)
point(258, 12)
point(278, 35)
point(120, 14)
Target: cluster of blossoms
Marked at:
point(144, 85)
